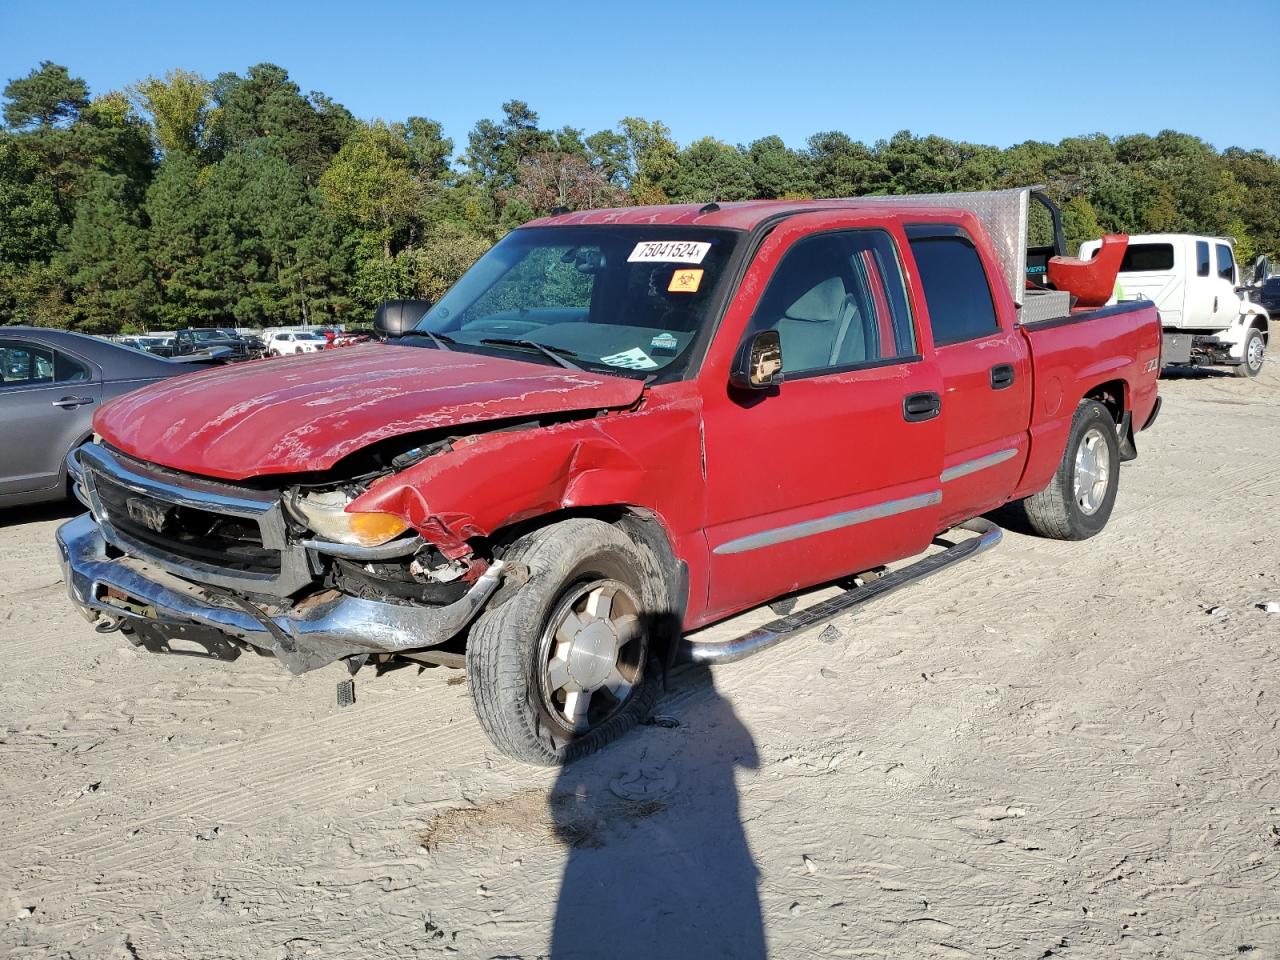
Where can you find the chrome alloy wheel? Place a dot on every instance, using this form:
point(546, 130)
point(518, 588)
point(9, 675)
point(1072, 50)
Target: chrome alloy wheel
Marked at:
point(592, 654)
point(1093, 471)
point(1254, 357)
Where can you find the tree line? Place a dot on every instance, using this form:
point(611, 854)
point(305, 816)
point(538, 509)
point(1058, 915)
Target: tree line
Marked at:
point(187, 201)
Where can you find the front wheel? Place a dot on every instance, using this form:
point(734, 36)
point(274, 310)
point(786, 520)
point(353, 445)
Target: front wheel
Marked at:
point(1078, 500)
point(565, 665)
point(1254, 348)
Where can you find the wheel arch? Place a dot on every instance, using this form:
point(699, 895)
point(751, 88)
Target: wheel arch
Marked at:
point(1112, 394)
point(64, 477)
point(644, 526)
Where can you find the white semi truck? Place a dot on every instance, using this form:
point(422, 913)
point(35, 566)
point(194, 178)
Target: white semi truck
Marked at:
point(1193, 282)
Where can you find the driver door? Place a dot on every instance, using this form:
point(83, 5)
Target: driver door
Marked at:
point(836, 470)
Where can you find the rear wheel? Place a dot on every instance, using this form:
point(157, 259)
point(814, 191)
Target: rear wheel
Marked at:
point(565, 665)
point(1078, 500)
point(1254, 348)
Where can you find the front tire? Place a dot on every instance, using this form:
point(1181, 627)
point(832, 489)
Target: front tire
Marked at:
point(1078, 500)
point(566, 665)
point(1255, 346)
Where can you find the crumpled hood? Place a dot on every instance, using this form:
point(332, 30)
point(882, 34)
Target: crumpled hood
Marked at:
point(305, 413)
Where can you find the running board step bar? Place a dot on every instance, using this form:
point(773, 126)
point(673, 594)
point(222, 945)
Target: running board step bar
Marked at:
point(774, 632)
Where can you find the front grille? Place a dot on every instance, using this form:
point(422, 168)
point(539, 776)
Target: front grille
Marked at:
point(203, 530)
point(200, 535)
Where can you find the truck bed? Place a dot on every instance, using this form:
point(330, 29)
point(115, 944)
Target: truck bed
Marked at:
point(1116, 347)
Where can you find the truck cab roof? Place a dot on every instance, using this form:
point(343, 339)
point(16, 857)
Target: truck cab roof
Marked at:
point(740, 215)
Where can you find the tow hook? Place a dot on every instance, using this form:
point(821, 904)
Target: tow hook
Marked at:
point(106, 624)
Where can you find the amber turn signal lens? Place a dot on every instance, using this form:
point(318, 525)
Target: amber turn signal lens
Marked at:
point(373, 529)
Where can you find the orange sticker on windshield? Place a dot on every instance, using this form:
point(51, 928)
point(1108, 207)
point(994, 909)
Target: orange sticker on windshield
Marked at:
point(685, 281)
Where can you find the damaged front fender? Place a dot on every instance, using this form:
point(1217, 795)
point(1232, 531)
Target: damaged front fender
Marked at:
point(487, 482)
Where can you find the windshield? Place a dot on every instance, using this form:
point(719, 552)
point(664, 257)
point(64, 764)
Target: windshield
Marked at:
point(618, 299)
point(311, 336)
point(213, 334)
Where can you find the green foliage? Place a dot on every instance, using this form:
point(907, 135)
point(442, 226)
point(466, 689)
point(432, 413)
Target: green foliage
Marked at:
point(186, 201)
point(29, 214)
point(109, 278)
point(47, 96)
point(180, 107)
point(711, 170)
point(370, 183)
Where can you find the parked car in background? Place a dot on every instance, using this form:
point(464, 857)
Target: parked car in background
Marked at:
point(1193, 281)
point(288, 342)
point(158, 346)
point(617, 427)
point(219, 342)
point(255, 343)
point(353, 336)
point(51, 381)
point(1268, 295)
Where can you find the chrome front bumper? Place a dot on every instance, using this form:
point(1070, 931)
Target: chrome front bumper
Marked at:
point(124, 591)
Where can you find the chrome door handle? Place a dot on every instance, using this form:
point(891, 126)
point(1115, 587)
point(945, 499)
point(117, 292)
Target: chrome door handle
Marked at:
point(70, 403)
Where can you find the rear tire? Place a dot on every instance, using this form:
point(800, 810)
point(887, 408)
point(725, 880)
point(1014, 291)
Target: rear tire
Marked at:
point(566, 664)
point(1255, 346)
point(1078, 500)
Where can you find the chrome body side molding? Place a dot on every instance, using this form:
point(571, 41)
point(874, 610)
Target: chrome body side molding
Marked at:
point(979, 463)
point(836, 521)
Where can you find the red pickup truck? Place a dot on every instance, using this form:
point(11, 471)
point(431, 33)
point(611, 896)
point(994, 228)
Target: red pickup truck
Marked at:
point(619, 426)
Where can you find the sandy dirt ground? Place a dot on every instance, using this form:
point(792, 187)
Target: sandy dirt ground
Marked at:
point(1056, 750)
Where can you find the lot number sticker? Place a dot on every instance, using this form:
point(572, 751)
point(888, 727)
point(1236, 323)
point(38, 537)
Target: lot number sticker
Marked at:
point(669, 251)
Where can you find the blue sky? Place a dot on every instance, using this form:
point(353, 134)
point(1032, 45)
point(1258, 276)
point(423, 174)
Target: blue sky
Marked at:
point(994, 72)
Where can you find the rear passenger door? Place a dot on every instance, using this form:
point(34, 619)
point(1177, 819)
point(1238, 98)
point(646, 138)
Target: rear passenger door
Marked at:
point(985, 367)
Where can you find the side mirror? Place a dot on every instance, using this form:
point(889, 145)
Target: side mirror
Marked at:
point(395, 318)
point(759, 363)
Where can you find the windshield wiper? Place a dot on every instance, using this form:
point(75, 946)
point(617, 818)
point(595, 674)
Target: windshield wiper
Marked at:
point(559, 354)
point(440, 341)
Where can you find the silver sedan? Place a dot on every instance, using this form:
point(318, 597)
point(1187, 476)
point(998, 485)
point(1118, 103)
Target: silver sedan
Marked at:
point(51, 381)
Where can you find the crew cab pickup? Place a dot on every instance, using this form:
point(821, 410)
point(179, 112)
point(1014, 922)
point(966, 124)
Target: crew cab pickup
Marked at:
point(619, 426)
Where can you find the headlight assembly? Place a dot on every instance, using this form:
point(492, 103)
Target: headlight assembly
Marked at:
point(326, 515)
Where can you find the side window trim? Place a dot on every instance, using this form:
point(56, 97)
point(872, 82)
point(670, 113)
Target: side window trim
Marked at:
point(908, 309)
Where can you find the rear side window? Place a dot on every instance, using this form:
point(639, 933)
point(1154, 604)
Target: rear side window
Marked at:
point(955, 284)
point(1147, 258)
point(1226, 263)
point(1202, 258)
point(838, 302)
point(28, 364)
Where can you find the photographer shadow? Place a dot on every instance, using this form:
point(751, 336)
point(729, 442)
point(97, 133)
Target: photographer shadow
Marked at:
point(659, 865)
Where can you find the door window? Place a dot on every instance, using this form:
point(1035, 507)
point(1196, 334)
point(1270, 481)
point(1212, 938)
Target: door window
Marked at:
point(1202, 258)
point(28, 364)
point(1226, 263)
point(955, 284)
point(1147, 258)
point(838, 302)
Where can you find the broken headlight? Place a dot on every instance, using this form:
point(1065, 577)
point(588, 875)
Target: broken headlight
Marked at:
point(325, 514)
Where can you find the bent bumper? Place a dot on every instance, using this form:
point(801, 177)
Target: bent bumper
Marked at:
point(303, 636)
